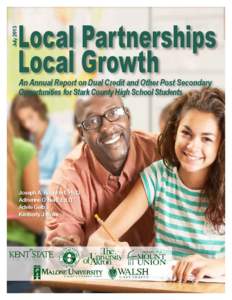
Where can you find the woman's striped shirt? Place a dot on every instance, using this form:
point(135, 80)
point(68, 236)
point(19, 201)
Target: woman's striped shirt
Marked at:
point(179, 214)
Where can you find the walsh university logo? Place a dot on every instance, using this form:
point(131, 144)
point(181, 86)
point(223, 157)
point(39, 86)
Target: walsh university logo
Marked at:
point(112, 273)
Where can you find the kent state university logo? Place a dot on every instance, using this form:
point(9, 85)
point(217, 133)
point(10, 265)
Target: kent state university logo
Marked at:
point(112, 273)
point(36, 272)
point(69, 257)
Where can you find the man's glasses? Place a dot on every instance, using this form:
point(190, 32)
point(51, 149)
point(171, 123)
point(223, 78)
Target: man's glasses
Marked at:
point(112, 115)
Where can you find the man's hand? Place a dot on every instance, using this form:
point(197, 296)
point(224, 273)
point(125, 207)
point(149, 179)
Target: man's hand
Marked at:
point(97, 240)
point(100, 239)
point(60, 241)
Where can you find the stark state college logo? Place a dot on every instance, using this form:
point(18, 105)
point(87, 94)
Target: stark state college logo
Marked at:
point(69, 257)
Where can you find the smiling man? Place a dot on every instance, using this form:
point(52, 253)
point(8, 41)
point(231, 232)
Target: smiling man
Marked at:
point(98, 174)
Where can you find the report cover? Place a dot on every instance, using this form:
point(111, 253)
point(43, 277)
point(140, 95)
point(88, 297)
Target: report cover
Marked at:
point(59, 57)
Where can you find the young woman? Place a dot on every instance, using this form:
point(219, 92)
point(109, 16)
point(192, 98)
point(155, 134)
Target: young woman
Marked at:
point(22, 175)
point(186, 189)
point(29, 118)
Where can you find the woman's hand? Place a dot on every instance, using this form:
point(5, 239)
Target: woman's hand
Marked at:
point(199, 267)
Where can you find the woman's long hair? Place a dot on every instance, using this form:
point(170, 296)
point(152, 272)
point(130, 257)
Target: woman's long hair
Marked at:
point(210, 100)
point(29, 100)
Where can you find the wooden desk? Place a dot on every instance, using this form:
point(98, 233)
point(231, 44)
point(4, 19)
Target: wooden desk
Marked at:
point(119, 286)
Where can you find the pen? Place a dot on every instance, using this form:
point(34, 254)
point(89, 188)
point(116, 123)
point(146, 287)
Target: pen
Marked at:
point(101, 222)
